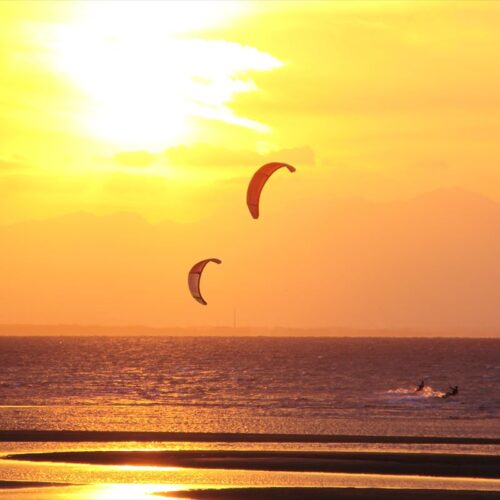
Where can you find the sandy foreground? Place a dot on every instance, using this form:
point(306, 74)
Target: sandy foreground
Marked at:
point(422, 464)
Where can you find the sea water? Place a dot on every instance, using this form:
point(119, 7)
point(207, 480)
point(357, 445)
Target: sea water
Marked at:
point(251, 384)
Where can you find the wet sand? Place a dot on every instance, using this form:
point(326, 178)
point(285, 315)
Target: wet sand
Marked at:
point(210, 437)
point(329, 494)
point(14, 485)
point(420, 464)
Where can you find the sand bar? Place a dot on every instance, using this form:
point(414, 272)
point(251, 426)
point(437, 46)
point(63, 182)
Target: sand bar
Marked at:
point(330, 493)
point(211, 437)
point(426, 464)
point(11, 485)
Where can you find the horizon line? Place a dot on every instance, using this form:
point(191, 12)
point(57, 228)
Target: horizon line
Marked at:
point(54, 329)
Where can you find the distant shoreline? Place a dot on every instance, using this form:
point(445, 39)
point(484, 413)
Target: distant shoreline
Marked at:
point(76, 330)
point(211, 437)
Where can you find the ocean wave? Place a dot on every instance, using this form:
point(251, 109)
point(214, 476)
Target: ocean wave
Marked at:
point(405, 393)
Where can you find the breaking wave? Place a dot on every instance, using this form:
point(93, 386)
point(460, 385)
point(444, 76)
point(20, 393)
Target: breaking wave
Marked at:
point(410, 393)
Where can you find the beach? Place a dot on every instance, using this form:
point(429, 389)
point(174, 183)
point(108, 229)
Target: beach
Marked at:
point(473, 466)
point(245, 467)
point(329, 493)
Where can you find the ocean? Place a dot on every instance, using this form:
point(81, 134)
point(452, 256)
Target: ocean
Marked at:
point(251, 384)
point(102, 418)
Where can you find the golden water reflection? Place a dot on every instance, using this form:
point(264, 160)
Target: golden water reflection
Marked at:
point(95, 492)
point(122, 482)
point(126, 491)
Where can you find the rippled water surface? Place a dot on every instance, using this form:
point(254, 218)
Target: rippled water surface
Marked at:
point(314, 385)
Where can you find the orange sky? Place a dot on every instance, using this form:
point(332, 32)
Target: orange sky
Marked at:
point(129, 131)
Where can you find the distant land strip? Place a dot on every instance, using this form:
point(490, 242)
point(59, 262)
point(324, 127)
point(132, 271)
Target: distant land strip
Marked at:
point(75, 330)
point(211, 437)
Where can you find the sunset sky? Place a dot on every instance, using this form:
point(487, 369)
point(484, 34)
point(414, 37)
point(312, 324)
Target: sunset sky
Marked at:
point(129, 131)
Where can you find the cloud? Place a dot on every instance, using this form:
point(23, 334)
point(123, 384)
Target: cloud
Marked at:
point(202, 155)
point(372, 61)
point(135, 185)
point(135, 158)
point(28, 183)
point(303, 155)
point(13, 165)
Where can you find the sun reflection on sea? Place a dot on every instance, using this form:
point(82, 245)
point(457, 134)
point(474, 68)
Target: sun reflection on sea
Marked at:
point(127, 491)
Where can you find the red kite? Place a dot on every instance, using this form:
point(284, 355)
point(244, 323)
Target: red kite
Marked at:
point(258, 181)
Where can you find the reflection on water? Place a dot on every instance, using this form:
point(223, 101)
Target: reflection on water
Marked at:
point(170, 479)
point(94, 492)
point(132, 491)
point(243, 384)
point(124, 491)
point(122, 482)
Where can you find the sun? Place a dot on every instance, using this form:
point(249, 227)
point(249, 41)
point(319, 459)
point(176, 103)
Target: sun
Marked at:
point(144, 78)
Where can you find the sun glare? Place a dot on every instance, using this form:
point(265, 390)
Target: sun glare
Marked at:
point(127, 491)
point(144, 78)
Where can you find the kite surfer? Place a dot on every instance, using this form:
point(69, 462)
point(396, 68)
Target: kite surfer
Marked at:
point(452, 391)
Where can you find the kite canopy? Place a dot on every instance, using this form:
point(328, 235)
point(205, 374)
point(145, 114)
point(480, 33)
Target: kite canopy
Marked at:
point(258, 181)
point(194, 278)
